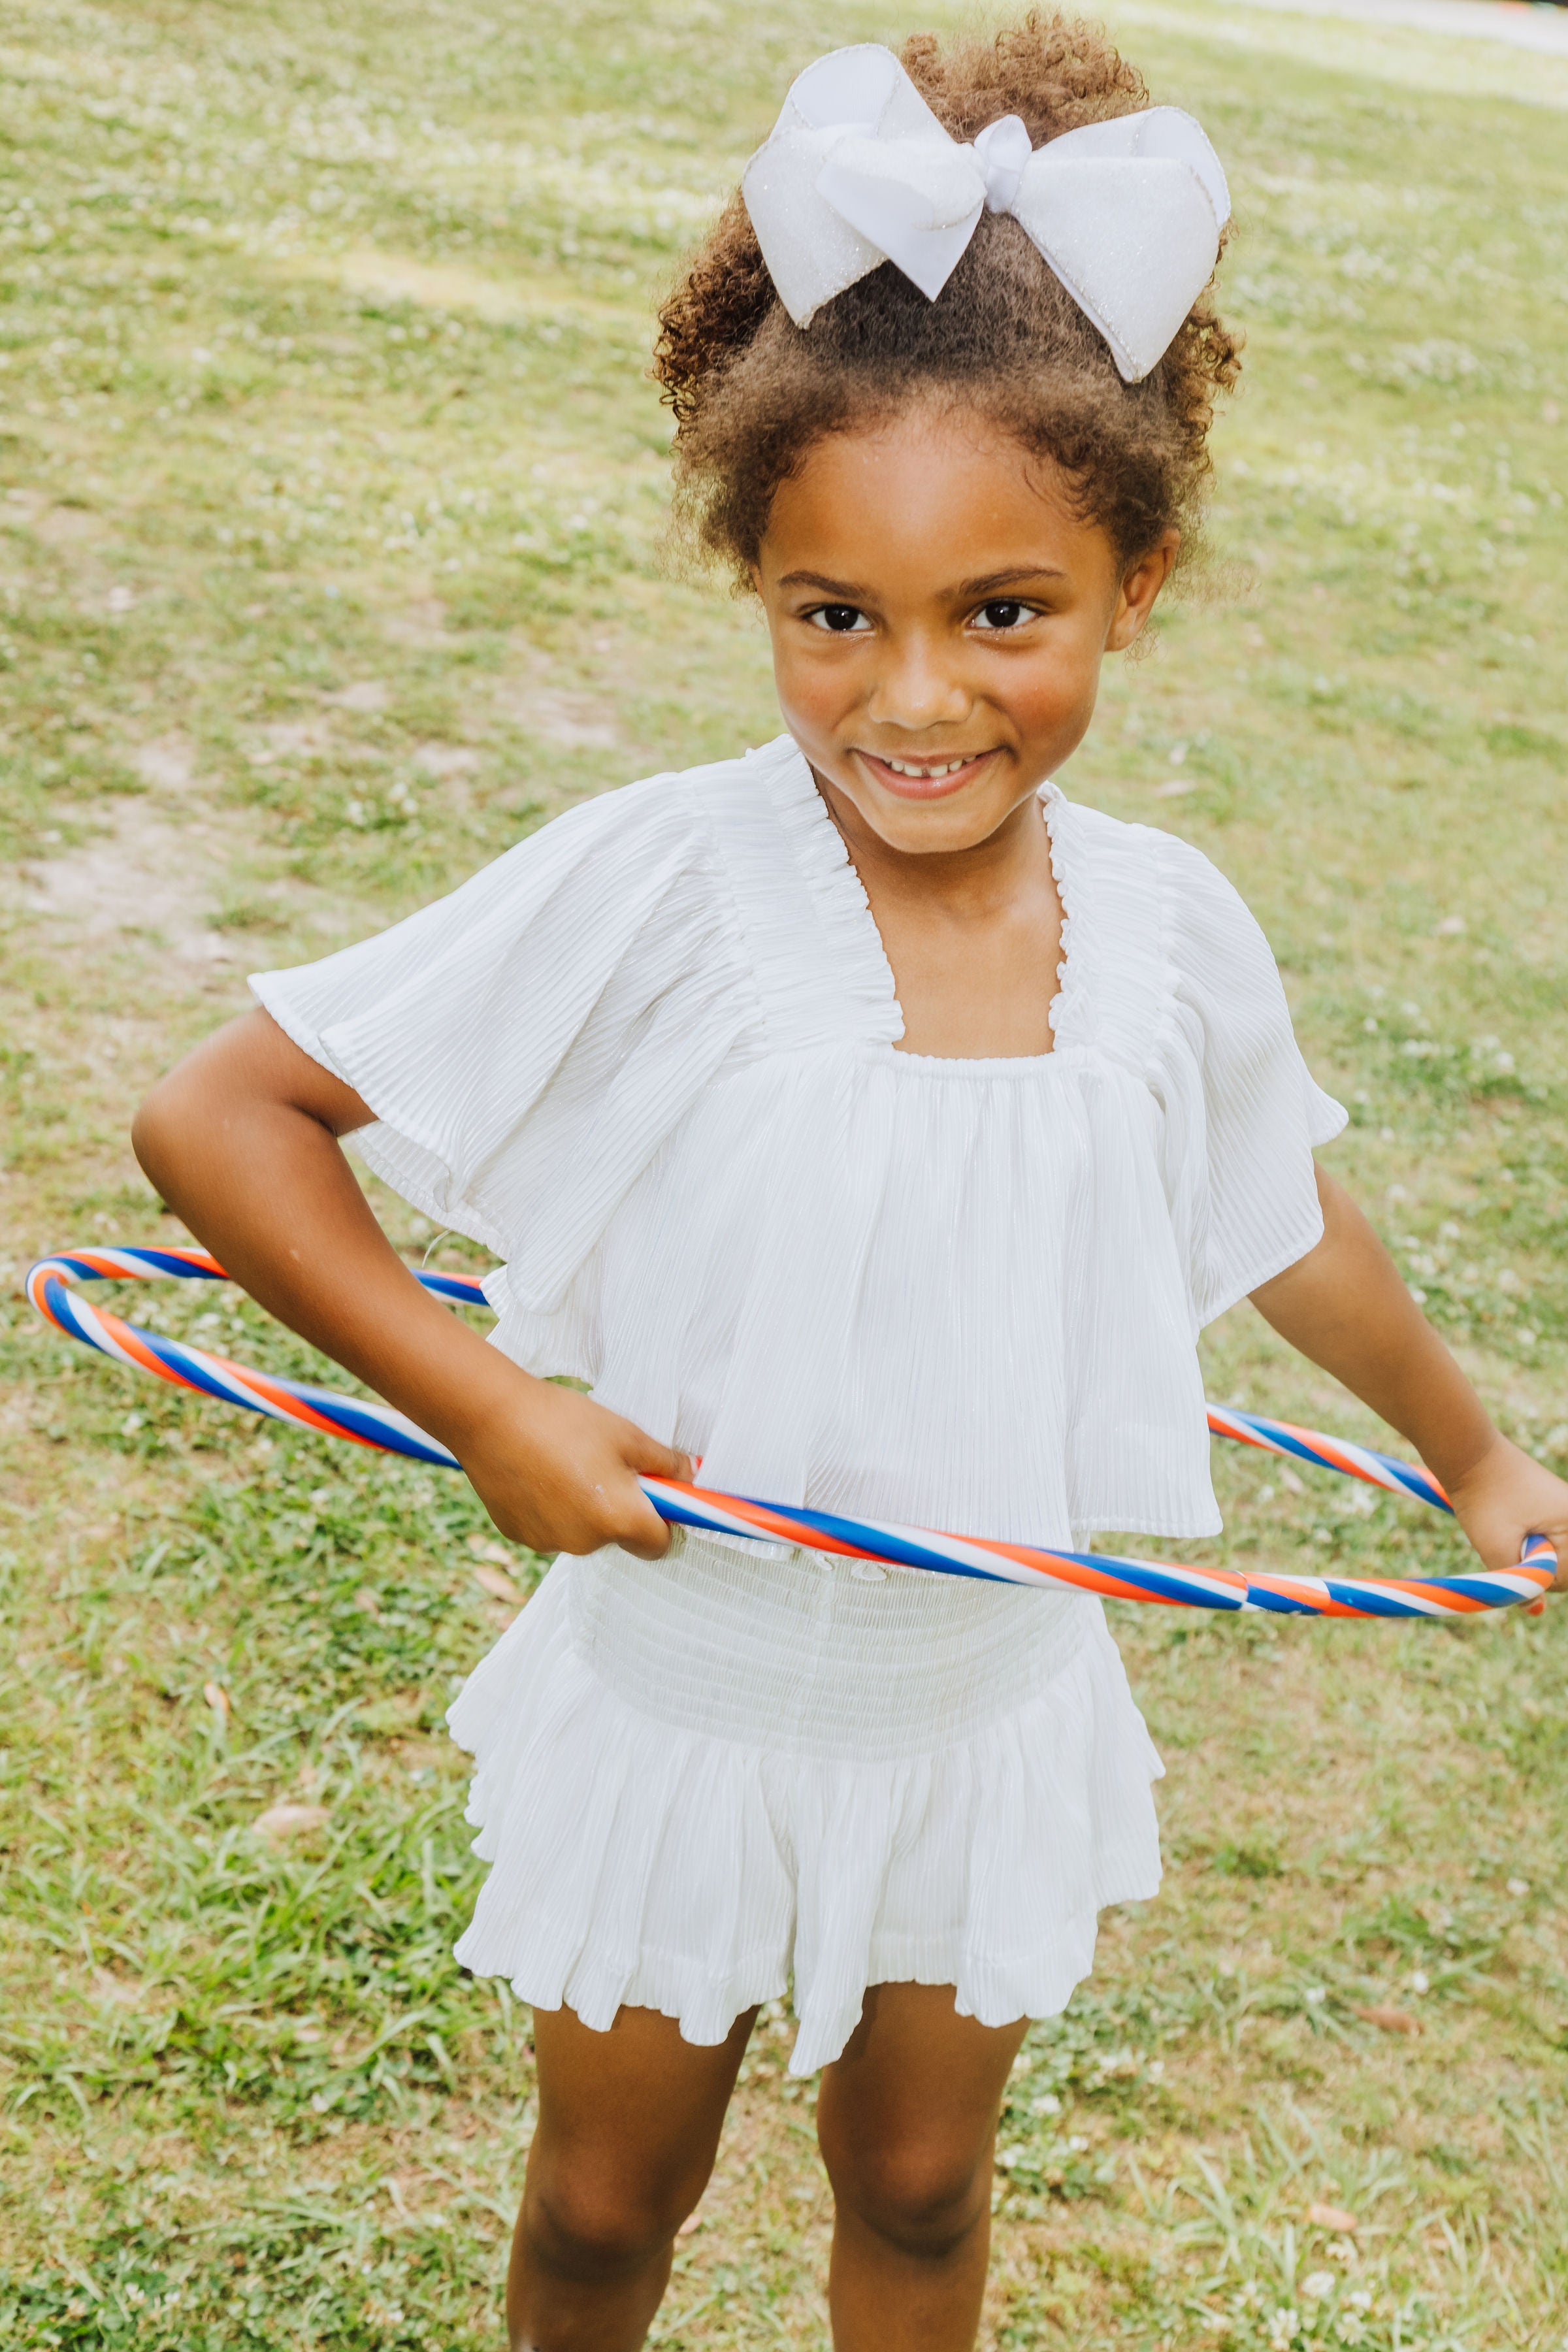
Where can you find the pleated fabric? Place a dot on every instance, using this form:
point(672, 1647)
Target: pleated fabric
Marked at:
point(651, 1058)
point(699, 1777)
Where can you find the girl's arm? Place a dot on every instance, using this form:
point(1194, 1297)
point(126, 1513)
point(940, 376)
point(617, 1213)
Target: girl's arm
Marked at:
point(1345, 1305)
point(241, 1140)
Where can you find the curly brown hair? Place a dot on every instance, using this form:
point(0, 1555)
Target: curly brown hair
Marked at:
point(752, 392)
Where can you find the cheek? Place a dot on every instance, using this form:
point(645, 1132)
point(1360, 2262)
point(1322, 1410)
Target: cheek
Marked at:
point(815, 679)
point(1042, 696)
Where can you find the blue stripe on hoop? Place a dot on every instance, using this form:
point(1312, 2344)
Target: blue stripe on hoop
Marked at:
point(1415, 1481)
point(904, 1549)
point(168, 1262)
point(1285, 1605)
point(348, 1416)
point(466, 1287)
point(182, 1361)
point(1366, 1600)
point(349, 1412)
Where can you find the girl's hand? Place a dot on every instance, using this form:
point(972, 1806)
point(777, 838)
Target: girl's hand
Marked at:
point(241, 1140)
point(559, 1473)
point(1506, 1496)
point(1346, 1306)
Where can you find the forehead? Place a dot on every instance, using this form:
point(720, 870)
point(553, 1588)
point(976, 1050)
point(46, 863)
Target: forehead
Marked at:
point(927, 495)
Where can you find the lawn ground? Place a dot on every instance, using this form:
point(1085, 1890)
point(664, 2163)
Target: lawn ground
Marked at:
point(328, 563)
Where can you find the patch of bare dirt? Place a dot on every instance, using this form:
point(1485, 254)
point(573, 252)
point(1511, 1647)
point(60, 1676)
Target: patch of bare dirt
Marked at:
point(168, 766)
point(531, 696)
point(423, 622)
point(143, 873)
point(446, 761)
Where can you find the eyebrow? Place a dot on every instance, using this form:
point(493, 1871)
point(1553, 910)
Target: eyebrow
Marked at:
point(989, 584)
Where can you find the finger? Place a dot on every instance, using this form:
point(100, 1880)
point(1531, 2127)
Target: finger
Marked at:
point(647, 1537)
point(642, 1532)
point(656, 1461)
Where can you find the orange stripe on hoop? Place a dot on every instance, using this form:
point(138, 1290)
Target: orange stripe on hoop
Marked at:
point(1100, 1580)
point(1463, 1604)
point(1220, 1425)
point(294, 1407)
point(108, 1269)
point(1297, 1588)
point(1048, 1563)
point(140, 1353)
point(1330, 1450)
point(38, 1294)
point(759, 1515)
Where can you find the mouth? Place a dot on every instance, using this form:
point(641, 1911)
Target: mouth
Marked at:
point(923, 780)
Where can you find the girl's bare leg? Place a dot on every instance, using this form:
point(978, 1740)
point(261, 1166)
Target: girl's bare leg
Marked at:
point(628, 2126)
point(907, 2119)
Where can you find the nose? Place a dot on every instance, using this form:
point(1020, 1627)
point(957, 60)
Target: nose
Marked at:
point(918, 686)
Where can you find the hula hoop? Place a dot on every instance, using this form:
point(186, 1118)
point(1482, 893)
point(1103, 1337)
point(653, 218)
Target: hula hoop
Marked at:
point(1169, 1583)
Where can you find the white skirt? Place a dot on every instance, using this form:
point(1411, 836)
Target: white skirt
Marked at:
point(699, 1776)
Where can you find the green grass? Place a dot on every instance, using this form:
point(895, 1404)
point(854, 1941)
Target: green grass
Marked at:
point(329, 561)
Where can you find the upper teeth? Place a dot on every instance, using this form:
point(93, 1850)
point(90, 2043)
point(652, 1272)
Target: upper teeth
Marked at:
point(924, 769)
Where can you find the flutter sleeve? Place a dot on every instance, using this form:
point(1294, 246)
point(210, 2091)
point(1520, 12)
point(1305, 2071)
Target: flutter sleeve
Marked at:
point(1241, 1112)
point(527, 1044)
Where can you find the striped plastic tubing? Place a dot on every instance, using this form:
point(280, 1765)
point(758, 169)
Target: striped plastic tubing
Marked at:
point(52, 1288)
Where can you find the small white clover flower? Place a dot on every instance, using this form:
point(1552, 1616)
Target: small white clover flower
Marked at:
point(1317, 2284)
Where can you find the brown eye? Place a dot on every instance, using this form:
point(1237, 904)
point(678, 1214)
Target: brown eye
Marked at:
point(842, 619)
point(1003, 613)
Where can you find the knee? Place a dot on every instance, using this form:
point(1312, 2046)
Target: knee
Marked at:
point(594, 2227)
point(922, 2198)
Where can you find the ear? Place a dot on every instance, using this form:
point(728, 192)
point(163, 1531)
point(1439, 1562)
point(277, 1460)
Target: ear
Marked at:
point(1141, 583)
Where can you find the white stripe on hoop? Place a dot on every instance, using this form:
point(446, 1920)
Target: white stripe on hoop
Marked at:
point(1365, 1463)
point(83, 1319)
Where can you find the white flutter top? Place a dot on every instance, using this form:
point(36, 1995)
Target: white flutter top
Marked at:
point(651, 1058)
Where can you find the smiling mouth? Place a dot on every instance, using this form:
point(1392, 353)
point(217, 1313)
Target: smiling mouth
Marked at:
point(922, 780)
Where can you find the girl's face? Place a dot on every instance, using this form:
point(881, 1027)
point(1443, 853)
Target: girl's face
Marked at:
point(939, 616)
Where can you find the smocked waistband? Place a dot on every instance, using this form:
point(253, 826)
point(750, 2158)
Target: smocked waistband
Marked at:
point(802, 1654)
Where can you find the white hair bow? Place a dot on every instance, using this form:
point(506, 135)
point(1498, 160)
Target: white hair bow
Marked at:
point(857, 170)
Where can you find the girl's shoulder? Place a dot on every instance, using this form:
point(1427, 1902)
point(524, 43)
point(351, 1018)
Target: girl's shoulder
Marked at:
point(1144, 858)
point(688, 804)
point(715, 830)
point(1159, 905)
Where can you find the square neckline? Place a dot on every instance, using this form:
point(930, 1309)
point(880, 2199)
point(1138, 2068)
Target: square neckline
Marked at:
point(835, 872)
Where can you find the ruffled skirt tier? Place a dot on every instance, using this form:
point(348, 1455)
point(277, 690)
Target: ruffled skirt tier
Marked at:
point(699, 1777)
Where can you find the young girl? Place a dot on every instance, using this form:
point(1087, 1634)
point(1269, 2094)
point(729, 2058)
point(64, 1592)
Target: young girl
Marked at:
point(869, 1120)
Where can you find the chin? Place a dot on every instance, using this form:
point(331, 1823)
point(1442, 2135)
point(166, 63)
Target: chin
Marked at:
point(932, 827)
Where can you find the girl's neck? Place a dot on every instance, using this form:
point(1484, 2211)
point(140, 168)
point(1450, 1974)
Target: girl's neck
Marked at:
point(973, 939)
point(971, 884)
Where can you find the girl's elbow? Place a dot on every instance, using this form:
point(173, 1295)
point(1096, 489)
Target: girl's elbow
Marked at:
point(169, 1124)
point(156, 1129)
